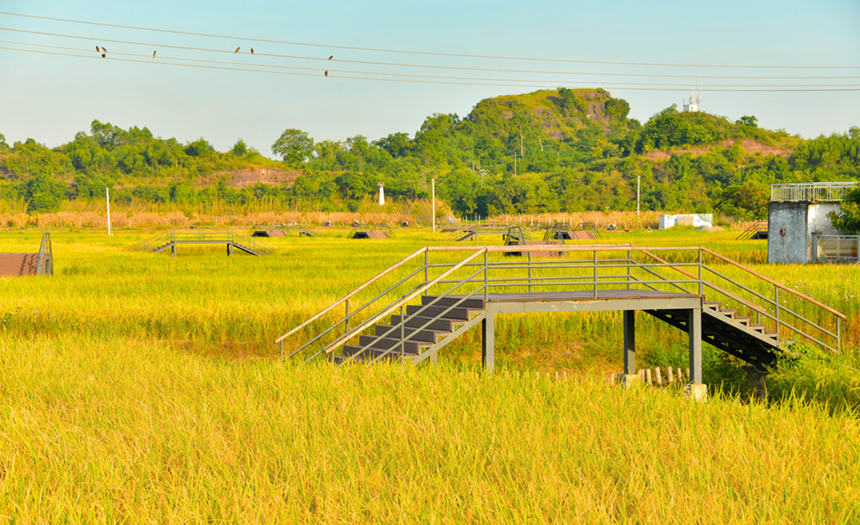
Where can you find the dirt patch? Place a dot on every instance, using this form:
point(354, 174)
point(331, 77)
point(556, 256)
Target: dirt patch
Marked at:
point(751, 146)
point(243, 178)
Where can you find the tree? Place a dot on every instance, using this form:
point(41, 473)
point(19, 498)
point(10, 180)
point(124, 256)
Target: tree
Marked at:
point(294, 145)
point(240, 149)
point(748, 121)
point(745, 201)
point(3, 145)
point(43, 194)
point(848, 220)
point(199, 148)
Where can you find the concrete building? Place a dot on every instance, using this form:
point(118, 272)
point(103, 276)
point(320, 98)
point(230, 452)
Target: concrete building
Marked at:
point(798, 217)
point(696, 220)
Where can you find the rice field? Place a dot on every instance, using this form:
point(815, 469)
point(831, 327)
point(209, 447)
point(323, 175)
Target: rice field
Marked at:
point(138, 387)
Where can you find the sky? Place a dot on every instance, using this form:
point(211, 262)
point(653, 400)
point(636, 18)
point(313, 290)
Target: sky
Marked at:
point(52, 97)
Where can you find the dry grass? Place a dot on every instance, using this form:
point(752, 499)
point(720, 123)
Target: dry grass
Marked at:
point(144, 388)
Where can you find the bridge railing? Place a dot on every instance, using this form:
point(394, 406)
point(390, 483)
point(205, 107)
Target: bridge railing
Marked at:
point(443, 272)
point(202, 236)
point(45, 257)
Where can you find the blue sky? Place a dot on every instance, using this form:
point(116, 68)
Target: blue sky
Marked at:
point(52, 97)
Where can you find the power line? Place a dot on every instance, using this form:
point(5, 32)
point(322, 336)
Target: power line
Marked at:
point(538, 82)
point(401, 80)
point(428, 53)
point(427, 66)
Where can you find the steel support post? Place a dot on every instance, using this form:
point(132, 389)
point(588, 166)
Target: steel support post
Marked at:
point(694, 328)
point(488, 342)
point(530, 271)
point(701, 285)
point(426, 268)
point(173, 249)
point(229, 248)
point(776, 307)
point(629, 264)
point(629, 342)
point(346, 319)
point(486, 278)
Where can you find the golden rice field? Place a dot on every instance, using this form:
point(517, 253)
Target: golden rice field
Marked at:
point(137, 387)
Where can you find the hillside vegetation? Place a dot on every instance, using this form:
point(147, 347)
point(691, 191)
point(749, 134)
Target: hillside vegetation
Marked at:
point(546, 151)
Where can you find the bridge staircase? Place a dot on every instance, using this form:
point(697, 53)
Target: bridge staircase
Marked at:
point(430, 298)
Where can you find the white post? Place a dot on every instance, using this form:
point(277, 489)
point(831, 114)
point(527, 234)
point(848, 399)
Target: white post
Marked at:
point(381, 194)
point(107, 200)
point(433, 197)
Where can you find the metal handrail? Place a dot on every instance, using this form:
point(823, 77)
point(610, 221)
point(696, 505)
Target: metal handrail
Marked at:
point(378, 317)
point(353, 293)
point(771, 281)
point(402, 323)
point(44, 259)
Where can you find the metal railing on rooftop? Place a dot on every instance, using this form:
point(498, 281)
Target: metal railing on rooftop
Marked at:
point(810, 191)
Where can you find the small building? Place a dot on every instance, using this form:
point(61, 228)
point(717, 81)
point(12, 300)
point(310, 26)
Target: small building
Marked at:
point(798, 215)
point(696, 220)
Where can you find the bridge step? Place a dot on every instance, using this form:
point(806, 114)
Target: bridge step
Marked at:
point(450, 301)
point(410, 333)
point(442, 324)
point(384, 343)
point(460, 314)
point(372, 353)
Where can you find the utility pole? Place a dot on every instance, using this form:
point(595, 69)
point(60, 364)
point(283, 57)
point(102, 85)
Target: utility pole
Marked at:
point(433, 197)
point(522, 146)
point(107, 201)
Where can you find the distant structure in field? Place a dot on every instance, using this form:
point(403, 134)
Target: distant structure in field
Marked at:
point(691, 105)
point(381, 194)
point(799, 227)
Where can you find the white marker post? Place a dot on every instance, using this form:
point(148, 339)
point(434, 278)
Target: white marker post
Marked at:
point(381, 194)
point(107, 200)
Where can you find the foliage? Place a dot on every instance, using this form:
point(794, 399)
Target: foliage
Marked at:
point(847, 221)
point(545, 151)
point(294, 145)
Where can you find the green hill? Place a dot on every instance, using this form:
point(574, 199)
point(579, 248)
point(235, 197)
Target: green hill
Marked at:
point(549, 150)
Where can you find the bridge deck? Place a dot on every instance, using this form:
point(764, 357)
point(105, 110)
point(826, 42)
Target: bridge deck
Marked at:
point(584, 295)
point(586, 300)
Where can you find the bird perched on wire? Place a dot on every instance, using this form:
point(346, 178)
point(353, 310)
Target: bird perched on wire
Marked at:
point(97, 49)
point(104, 55)
point(326, 72)
point(252, 50)
point(332, 56)
point(153, 54)
point(104, 50)
point(237, 50)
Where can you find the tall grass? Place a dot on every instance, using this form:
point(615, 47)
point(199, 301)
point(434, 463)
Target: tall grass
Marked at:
point(140, 387)
point(119, 429)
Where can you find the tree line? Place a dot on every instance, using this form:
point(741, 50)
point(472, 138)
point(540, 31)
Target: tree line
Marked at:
point(551, 151)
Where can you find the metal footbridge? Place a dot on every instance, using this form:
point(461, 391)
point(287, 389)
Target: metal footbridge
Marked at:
point(413, 309)
point(231, 240)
